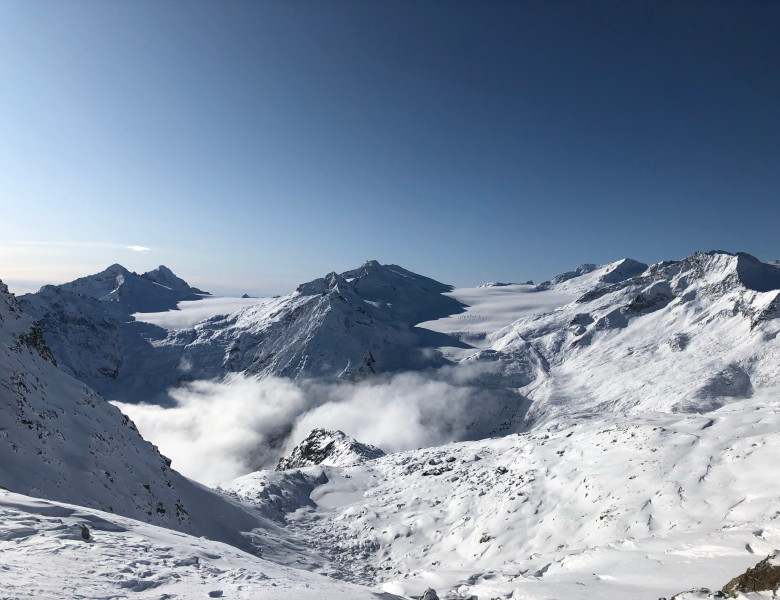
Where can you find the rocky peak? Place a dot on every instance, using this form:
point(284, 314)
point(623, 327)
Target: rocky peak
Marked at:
point(162, 275)
point(322, 285)
point(330, 448)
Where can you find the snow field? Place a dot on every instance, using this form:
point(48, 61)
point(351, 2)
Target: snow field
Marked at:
point(43, 555)
point(610, 507)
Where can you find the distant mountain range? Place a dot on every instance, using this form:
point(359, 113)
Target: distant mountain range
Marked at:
point(622, 420)
point(622, 318)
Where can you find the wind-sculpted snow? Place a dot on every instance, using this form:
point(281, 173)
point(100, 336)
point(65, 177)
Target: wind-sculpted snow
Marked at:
point(610, 507)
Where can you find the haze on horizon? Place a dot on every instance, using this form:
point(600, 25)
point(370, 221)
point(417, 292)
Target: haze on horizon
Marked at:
point(251, 146)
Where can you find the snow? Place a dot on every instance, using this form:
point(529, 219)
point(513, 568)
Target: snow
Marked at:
point(188, 313)
point(491, 308)
point(605, 507)
point(43, 555)
point(131, 292)
point(638, 407)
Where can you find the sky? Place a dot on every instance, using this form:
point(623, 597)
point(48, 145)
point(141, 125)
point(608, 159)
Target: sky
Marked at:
point(251, 146)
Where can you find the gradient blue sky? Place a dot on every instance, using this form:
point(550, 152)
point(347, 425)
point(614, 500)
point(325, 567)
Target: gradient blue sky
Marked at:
point(254, 145)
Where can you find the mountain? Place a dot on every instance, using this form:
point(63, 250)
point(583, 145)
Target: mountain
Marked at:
point(332, 448)
point(711, 319)
point(154, 291)
point(340, 327)
point(88, 325)
point(62, 441)
point(637, 407)
point(163, 276)
point(600, 337)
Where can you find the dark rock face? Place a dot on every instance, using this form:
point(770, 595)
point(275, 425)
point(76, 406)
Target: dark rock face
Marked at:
point(765, 576)
point(33, 340)
point(332, 448)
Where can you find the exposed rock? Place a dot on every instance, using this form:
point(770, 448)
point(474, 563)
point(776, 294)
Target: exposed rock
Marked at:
point(765, 576)
point(331, 448)
point(429, 594)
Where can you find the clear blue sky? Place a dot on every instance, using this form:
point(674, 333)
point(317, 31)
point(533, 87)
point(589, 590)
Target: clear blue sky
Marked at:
point(254, 145)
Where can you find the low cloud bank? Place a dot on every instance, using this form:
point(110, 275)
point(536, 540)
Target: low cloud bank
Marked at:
point(220, 430)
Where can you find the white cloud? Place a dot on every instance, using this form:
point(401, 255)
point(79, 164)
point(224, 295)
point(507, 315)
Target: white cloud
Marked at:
point(218, 431)
point(106, 245)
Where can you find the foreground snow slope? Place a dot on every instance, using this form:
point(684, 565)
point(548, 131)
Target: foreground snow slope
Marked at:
point(610, 506)
point(43, 555)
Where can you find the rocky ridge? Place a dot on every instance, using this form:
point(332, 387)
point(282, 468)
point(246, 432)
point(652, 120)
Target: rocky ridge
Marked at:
point(331, 448)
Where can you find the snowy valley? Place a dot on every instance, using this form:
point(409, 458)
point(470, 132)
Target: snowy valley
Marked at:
point(610, 433)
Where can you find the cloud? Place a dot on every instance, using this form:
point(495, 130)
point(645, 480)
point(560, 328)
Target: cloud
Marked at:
point(55, 245)
point(220, 430)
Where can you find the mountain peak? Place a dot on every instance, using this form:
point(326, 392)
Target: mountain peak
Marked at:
point(330, 448)
point(162, 275)
point(151, 292)
point(115, 268)
point(623, 269)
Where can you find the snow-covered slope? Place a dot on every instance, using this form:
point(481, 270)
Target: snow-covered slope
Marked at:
point(688, 335)
point(330, 448)
point(60, 440)
point(89, 326)
point(44, 555)
point(609, 506)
